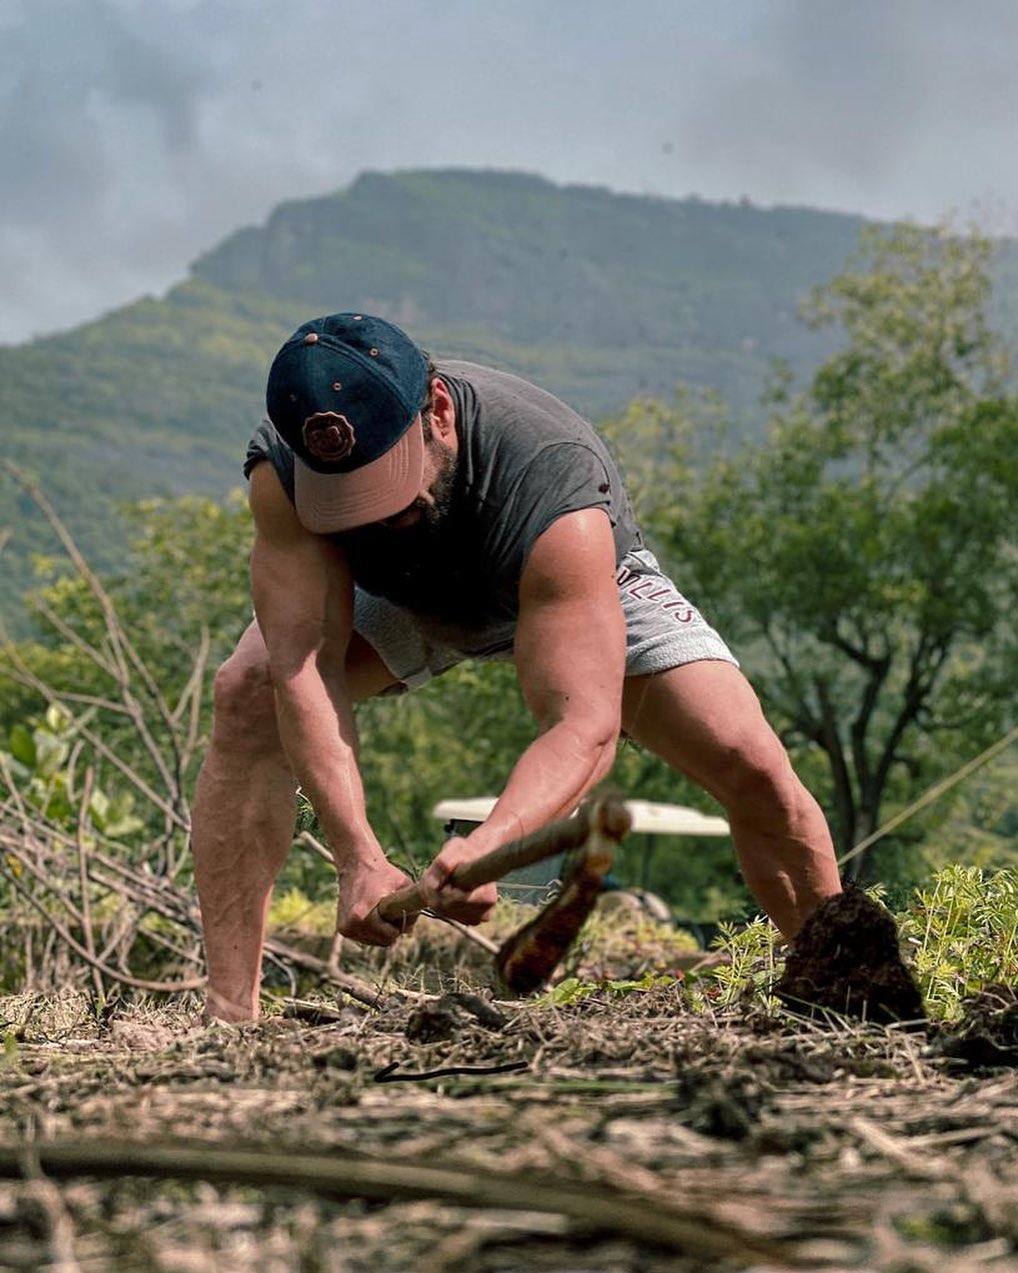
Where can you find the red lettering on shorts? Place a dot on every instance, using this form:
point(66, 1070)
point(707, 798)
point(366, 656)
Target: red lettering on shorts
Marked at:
point(640, 586)
point(682, 611)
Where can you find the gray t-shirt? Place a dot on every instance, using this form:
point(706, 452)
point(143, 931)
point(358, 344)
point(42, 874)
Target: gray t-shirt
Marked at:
point(524, 459)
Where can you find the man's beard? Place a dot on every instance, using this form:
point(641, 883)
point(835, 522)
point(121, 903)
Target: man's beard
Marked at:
point(435, 512)
point(430, 566)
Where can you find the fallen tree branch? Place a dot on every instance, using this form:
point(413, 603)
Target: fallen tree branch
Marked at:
point(115, 974)
point(353, 986)
point(696, 1231)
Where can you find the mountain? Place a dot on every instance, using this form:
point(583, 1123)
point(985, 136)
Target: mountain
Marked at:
point(598, 296)
point(610, 295)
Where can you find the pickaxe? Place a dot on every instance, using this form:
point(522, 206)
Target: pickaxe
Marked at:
point(527, 959)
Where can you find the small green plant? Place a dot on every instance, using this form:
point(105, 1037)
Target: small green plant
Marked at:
point(750, 970)
point(573, 989)
point(961, 934)
point(41, 760)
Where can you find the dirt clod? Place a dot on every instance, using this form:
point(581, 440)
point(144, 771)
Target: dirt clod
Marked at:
point(444, 1018)
point(434, 1022)
point(987, 1034)
point(847, 960)
point(335, 1059)
point(725, 1106)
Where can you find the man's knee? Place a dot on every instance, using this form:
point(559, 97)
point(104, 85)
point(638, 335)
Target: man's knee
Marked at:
point(244, 703)
point(754, 773)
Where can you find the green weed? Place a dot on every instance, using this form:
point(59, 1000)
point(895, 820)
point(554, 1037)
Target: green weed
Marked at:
point(752, 968)
point(961, 934)
point(573, 989)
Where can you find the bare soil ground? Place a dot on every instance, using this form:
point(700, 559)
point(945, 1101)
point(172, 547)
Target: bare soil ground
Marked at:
point(625, 1132)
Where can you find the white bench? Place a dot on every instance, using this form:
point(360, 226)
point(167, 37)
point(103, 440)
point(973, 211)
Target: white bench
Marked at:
point(531, 884)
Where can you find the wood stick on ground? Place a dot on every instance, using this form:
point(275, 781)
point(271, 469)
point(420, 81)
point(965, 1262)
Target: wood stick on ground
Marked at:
point(696, 1231)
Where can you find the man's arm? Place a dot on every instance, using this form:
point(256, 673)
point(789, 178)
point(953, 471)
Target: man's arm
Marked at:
point(303, 598)
point(570, 658)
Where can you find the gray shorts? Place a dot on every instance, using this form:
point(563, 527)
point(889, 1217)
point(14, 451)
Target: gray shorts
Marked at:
point(663, 630)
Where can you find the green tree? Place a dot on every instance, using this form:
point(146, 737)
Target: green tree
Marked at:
point(126, 661)
point(862, 558)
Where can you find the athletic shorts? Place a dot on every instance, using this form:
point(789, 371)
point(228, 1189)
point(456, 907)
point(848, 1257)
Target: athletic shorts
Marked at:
point(663, 630)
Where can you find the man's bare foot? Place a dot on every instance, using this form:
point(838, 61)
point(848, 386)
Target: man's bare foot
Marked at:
point(226, 1012)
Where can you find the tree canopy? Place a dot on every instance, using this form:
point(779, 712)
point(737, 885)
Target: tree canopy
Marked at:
point(862, 556)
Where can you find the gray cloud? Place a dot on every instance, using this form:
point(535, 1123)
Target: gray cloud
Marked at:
point(136, 133)
point(80, 91)
point(894, 109)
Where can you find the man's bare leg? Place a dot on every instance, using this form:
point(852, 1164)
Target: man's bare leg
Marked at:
point(705, 721)
point(243, 818)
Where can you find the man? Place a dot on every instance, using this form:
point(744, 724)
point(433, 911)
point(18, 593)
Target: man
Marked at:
point(408, 516)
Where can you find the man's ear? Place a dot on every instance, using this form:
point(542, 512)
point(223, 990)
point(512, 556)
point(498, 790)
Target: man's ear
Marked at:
point(443, 413)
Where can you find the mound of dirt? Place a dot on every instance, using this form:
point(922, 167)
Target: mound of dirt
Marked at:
point(727, 1106)
point(987, 1034)
point(847, 960)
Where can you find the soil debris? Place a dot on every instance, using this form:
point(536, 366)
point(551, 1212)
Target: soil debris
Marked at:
point(987, 1034)
point(446, 1017)
point(847, 961)
point(709, 1120)
point(335, 1058)
point(728, 1107)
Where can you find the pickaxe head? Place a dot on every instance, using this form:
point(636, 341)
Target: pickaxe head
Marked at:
point(528, 958)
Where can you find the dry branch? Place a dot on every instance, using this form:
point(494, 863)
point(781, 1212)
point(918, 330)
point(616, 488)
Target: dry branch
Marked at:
point(694, 1230)
point(100, 898)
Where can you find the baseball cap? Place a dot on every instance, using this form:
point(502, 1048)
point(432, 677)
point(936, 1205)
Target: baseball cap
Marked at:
point(345, 393)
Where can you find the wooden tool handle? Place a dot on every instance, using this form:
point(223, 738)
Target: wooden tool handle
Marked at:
point(606, 814)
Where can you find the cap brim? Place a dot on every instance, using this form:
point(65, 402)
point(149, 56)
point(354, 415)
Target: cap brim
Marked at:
point(331, 502)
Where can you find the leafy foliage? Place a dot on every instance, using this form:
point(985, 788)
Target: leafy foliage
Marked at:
point(573, 989)
point(963, 934)
point(39, 762)
point(862, 558)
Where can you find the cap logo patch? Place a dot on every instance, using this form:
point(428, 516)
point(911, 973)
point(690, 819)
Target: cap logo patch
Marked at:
point(328, 436)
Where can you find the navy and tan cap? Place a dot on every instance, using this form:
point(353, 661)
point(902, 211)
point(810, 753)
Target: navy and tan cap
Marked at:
point(345, 393)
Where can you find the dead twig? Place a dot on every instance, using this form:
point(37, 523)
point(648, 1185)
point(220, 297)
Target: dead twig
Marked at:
point(114, 974)
point(696, 1231)
point(83, 881)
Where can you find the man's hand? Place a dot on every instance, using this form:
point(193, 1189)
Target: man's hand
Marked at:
point(467, 907)
point(361, 887)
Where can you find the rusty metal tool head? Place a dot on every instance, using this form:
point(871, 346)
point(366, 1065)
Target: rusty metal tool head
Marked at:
point(528, 958)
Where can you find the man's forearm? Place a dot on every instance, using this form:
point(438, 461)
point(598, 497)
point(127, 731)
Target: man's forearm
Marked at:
point(319, 737)
point(548, 781)
point(317, 729)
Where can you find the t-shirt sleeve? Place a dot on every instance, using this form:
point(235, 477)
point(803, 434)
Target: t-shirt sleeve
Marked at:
point(265, 445)
point(562, 478)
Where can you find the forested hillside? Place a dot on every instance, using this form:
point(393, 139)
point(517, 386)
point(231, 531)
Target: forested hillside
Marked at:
point(662, 290)
point(599, 296)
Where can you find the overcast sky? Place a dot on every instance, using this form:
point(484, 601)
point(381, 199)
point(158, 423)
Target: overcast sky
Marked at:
point(134, 134)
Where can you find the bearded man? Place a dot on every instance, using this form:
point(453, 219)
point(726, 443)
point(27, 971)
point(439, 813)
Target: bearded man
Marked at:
point(411, 515)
